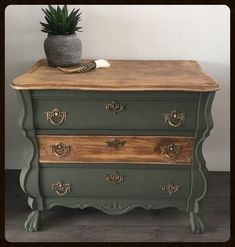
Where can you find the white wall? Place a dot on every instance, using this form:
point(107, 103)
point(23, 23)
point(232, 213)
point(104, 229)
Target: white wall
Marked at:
point(199, 32)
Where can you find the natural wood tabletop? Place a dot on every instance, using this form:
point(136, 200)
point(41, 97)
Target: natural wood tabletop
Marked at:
point(123, 75)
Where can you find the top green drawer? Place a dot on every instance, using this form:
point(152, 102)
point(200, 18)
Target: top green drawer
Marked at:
point(79, 110)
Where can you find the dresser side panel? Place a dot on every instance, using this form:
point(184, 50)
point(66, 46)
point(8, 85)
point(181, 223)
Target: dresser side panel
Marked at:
point(29, 177)
point(198, 169)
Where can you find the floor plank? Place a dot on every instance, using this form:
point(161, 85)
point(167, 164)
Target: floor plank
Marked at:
point(116, 233)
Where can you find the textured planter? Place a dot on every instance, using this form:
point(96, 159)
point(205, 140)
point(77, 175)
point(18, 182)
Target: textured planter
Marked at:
point(63, 50)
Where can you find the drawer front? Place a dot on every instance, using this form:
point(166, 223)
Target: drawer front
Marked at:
point(105, 183)
point(120, 149)
point(114, 114)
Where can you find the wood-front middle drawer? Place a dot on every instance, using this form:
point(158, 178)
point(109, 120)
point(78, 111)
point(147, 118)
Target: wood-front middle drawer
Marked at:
point(115, 114)
point(119, 149)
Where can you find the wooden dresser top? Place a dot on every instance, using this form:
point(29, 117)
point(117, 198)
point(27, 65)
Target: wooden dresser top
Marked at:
point(123, 75)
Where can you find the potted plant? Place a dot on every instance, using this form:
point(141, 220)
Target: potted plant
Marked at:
point(62, 46)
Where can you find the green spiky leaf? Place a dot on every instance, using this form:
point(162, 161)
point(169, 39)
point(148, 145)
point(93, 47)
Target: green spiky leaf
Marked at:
point(60, 22)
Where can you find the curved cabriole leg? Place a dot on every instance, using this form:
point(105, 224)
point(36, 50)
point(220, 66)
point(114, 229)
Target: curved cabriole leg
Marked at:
point(196, 223)
point(33, 221)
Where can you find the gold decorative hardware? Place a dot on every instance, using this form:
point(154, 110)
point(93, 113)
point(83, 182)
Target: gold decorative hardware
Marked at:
point(114, 178)
point(171, 151)
point(116, 143)
point(60, 149)
point(61, 188)
point(114, 106)
point(170, 188)
point(56, 116)
point(174, 118)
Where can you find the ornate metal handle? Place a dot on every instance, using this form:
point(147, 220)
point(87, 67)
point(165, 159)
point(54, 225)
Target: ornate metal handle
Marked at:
point(170, 188)
point(56, 116)
point(115, 143)
point(174, 118)
point(171, 151)
point(61, 188)
point(114, 106)
point(60, 149)
point(114, 178)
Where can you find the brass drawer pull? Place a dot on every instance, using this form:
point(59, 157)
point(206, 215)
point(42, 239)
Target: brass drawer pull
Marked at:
point(114, 178)
point(114, 106)
point(56, 116)
point(116, 143)
point(171, 151)
point(60, 149)
point(61, 188)
point(171, 188)
point(174, 118)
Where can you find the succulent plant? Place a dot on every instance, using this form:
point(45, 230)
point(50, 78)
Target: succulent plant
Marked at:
point(59, 22)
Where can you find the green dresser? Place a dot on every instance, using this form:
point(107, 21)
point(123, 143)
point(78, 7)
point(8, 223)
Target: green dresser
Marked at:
point(116, 138)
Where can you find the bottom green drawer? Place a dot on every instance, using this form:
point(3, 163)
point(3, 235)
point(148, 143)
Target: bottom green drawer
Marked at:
point(114, 183)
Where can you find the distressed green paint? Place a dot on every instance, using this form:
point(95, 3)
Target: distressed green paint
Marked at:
point(29, 177)
point(116, 132)
point(114, 206)
point(141, 188)
point(142, 95)
point(33, 221)
point(132, 166)
point(90, 182)
point(85, 114)
point(199, 170)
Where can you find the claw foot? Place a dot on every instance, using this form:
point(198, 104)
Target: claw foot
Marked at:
point(196, 223)
point(32, 222)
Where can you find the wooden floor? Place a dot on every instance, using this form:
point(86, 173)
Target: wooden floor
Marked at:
point(90, 225)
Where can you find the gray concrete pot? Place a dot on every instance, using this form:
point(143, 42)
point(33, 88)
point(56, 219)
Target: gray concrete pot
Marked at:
point(63, 50)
